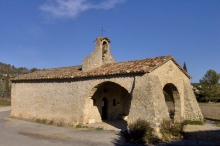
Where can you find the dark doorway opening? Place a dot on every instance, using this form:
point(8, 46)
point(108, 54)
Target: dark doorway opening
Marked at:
point(104, 108)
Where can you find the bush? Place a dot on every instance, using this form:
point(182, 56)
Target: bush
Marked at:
point(5, 101)
point(190, 122)
point(141, 132)
point(218, 124)
point(171, 131)
point(51, 122)
point(78, 126)
point(42, 121)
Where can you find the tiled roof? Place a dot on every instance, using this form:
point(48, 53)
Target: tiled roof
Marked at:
point(121, 68)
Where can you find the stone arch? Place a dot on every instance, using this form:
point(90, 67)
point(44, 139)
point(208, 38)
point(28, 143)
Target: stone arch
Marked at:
point(117, 98)
point(172, 99)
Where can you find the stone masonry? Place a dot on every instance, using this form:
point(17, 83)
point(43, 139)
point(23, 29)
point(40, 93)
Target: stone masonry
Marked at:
point(103, 89)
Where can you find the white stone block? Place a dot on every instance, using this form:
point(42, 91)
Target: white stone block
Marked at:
point(91, 121)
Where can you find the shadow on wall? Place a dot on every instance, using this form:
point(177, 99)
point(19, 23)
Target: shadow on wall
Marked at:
point(112, 100)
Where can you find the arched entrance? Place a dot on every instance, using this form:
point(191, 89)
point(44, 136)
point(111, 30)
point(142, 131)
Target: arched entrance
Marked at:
point(172, 100)
point(112, 101)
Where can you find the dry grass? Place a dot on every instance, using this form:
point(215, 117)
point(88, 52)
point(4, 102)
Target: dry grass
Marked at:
point(210, 110)
point(5, 101)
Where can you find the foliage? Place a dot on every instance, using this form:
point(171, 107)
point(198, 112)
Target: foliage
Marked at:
point(78, 126)
point(51, 122)
point(218, 124)
point(33, 70)
point(7, 71)
point(42, 121)
point(13, 71)
point(99, 128)
point(210, 85)
point(7, 83)
point(141, 132)
point(190, 122)
point(184, 67)
point(171, 131)
point(81, 126)
point(1, 88)
point(5, 101)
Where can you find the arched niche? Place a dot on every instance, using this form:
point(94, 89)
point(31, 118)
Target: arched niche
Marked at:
point(172, 99)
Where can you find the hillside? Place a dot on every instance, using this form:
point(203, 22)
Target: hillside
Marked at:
point(6, 72)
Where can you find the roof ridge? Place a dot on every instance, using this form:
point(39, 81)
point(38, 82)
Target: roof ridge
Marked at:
point(144, 59)
point(63, 67)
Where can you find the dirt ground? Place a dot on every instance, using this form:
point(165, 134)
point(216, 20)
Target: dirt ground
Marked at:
point(210, 110)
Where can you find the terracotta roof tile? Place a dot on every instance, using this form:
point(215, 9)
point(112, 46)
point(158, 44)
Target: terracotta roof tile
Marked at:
point(129, 67)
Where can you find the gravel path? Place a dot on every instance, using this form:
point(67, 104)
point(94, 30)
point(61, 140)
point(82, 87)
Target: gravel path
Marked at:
point(24, 133)
point(20, 133)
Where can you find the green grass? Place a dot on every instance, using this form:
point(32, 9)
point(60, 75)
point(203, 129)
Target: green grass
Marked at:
point(81, 126)
point(190, 122)
point(99, 128)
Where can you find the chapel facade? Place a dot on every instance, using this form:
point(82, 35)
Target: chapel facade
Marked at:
point(103, 89)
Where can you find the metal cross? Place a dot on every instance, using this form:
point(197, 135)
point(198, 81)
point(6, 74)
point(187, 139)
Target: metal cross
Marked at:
point(102, 31)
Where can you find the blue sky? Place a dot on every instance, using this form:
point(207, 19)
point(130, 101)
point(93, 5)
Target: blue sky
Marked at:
point(59, 33)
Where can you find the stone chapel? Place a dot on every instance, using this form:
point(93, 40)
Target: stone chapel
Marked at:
point(103, 89)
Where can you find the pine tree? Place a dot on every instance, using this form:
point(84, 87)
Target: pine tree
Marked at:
point(184, 67)
point(210, 85)
point(1, 87)
point(7, 86)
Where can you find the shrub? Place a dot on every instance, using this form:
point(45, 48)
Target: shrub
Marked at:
point(42, 121)
point(81, 126)
point(78, 126)
point(171, 131)
point(51, 122)
point(141, 132)
point(99, 128)
point(218, 124)
point(190, 122)
point(5, 101)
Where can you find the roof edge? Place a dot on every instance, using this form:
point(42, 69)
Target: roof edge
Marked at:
point(165, 61)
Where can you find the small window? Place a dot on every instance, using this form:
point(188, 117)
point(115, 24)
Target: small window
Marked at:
point(114, 102)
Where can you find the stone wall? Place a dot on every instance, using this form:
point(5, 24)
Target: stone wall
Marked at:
point(111, 91)
point(71, 101)
point(148, 101)
point(61, 101)
point(170, 73)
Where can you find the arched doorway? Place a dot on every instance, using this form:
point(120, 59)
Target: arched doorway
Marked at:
point(112, 101)
point(172, 100)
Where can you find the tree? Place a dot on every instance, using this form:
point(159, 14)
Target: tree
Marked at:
point(34, 69)
point(210, 85)
point(1, 86)
point(184, 67)
point(7, 86)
